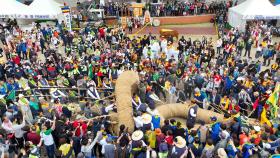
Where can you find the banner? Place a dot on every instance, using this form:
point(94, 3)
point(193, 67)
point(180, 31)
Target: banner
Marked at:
point(67, 17)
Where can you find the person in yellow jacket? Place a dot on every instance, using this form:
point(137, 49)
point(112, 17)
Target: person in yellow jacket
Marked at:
point(224, 103)
point(66, 149)
point(264, 119)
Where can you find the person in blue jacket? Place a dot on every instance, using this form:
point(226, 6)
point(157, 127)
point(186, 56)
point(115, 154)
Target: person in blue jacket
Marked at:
point(215, 129)
point(23, 49)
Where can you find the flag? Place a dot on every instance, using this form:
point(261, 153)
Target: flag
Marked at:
point(90, 72)
point(12, 95)
point(273, 101)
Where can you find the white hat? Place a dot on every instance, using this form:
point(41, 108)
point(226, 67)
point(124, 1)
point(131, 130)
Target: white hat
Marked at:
point(256, 93)
point(146, 118)
point(266, 145)
point(52, 90)
point(180, 142)
point(257, 128)
point(27, 88)
point(222, 153)
point(240, 78)
point(20, 95)
point(268, 92)
point(137, 135)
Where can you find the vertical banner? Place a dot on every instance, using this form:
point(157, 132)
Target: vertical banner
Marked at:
point(67, 17)
point(123, 22)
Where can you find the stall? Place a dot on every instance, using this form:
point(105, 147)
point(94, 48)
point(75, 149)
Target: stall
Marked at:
point(252, 10)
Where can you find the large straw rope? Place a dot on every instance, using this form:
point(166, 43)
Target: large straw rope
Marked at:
point(125, 86)
point(168, 111)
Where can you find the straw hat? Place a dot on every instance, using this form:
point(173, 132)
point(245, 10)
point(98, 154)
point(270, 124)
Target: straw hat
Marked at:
point(181, 142)
point(256, 93)
point(222, 153)
point(146, 118)
point(20, 96)
point(268, 92)
point(257, 128)
point(137, 135)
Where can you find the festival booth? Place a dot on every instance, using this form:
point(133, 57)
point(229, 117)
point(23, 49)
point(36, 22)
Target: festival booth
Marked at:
point(13, 9)
point(252, 10)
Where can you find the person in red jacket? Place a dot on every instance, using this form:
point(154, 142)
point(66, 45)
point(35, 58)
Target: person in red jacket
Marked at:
point(16, 59)
point(33, 137)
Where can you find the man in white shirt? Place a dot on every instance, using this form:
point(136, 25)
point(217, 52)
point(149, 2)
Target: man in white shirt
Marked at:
point(219, 45)
point(138, 120)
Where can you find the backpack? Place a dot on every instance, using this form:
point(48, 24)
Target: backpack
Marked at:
point(163, 147)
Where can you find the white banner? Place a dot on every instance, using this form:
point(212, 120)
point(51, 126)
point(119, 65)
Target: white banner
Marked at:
point(67, 20)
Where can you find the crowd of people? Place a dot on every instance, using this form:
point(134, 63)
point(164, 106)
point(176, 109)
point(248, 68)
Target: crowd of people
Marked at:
point(57, 93)
point(170, 8)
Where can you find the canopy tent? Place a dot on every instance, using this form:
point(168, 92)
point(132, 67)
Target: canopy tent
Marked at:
point(13, 9)
point(44, 9)
point(252, 10)
point(278, 7)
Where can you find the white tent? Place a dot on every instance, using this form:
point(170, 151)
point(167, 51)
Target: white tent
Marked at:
point(45, 9)
point(252, 10)
point(278, 21)
point(13, 9)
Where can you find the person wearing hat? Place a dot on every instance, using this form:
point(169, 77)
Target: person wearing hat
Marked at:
point(138, 145)
point(222, 153)
point(199, 97)
point(215, 129)
point(179, 149)
point(137, 117)
point(255, 134)
point(147, 122)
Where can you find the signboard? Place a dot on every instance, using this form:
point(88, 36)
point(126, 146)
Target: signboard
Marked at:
point(67, 17)
point(124, 22)
point(137, 9)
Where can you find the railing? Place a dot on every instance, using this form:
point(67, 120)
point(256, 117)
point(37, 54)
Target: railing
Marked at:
point(78, 90)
